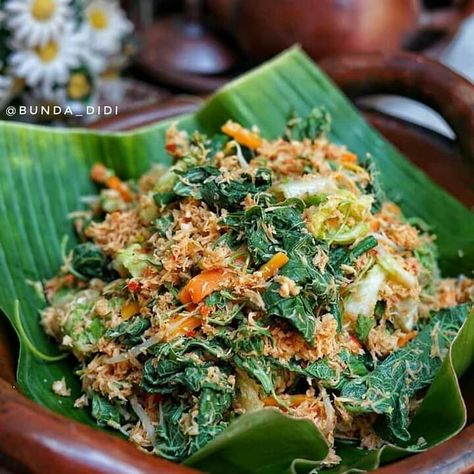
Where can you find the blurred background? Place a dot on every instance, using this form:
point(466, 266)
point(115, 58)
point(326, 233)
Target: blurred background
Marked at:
point(136, 54)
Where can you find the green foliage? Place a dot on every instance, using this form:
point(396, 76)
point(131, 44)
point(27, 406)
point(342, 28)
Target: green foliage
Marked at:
point(346, 255)
point(230, 195)
point(89, 261)
point(163, 198)
point(163, 223)
point(298, 310)
point(202, 183)
point(289, 229)
point(191, 181)
point(180, 369)
point(363, 326)
point(317, 123)
point(129, 332)
point(388, 389)
point(104, 411)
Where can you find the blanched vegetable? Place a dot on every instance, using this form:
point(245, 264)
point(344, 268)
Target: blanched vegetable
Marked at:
point(102, 175)
point(242, 135)
point(308, 187)
point(201, 285)
point(270, 268)
point(132, 259)
point(89, 261)
point(341, 218)
point(395, 270)
point(364, 294)
point(81, 328)
point(388, 389)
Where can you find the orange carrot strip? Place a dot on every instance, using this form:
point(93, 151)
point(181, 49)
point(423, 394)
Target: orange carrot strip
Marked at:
point(404, 339)
point(349, 157)
point(114, 182)
point(102, 175)
point(293, 400)
point(201, 285)
point(181, 325)
point(242, 135)
point(270, 268)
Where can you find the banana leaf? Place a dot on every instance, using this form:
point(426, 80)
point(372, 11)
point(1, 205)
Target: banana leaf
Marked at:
point(44, 172)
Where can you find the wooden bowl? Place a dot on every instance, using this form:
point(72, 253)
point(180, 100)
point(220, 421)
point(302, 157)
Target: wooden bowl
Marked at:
point(37, 441)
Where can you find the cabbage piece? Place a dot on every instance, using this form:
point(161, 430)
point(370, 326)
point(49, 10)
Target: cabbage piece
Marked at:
point(394, 269)
point(341, 218)
point(364, 294)
point(305, 187)
point(133, 259)
point(406, 314)
point(80, 327)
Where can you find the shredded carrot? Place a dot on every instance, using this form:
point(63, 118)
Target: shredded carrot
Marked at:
point(404, 339)
point(349, 157)
point(204, 310)
point(270, 268)
point(181, 325)
point(201, 285)
point(99, 173)
point(392, 208)
point(102, 175)
point(292, 401)
point(374, 225)
point(114, 182)
point(242, 135)
point(129, 309)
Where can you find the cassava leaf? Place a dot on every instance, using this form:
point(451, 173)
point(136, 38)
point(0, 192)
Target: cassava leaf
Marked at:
point(129, 332)
point(390, 387)
point(45, 171)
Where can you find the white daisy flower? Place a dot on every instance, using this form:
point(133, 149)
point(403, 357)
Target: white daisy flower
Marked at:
point(106, 24)
point(37, 22)
point(47, 65)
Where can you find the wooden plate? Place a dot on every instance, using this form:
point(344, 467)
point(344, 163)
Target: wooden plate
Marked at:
point(35, 440)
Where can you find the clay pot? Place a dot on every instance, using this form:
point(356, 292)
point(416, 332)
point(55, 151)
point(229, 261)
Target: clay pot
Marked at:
point(325, 27)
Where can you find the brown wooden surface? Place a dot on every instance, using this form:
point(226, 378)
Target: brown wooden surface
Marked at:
point(34, 440)
point(409, 75)
point(453, 457)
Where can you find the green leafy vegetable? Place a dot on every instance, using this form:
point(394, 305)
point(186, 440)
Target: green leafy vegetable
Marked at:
point(177, 371)
point(298, 310)
point(129, 332)
point(203, 183)
point(105, 412)
point(133, 259)
point(363, 326)
point(89, 261)
point(312, 126)
point(388, 389)
point(163, 223)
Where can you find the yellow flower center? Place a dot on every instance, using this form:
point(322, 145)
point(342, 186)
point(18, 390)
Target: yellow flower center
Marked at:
point(98, 19)
point(43, 10)
point(48, 52)
point(78, 87)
